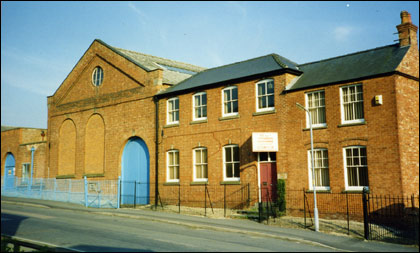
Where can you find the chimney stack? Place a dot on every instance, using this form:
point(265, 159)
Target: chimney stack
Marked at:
point(407, 32)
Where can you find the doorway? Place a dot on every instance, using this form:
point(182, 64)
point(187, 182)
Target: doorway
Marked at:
point(9, 171)
point(268, 176)
point(135, 172)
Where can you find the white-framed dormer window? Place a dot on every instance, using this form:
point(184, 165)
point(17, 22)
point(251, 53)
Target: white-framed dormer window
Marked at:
point(265, 95)
point(173, 111)
point(321, 171)
point(200, 164)
point(172, 168)
point(231, 163)
point(355, 167)
point(351, 100)
point(230, 101)
point(315, 102)
point(200, 106)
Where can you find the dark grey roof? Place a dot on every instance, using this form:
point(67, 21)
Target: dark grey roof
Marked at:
point(354, 66)
point(235, 71)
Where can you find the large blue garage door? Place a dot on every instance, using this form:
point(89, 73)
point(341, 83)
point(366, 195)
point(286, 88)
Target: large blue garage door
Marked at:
point(135, 172)
point(9, 171)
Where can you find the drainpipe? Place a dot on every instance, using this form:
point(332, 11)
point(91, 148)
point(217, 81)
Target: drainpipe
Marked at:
point(32, 164)
point(156, 150)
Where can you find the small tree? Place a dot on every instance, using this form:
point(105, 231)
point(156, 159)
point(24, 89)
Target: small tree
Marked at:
point(281, 195)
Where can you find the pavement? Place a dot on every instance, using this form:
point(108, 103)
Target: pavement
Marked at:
point(247, 227)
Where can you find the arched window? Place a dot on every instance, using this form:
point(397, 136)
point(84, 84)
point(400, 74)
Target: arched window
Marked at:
point(94, 145)
point(67, 148)
point(97, 76)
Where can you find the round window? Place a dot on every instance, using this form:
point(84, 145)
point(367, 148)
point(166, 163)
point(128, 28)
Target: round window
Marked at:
point(97, 76)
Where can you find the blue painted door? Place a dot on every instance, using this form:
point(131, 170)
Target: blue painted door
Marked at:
point(9, 171)
point(135, 172)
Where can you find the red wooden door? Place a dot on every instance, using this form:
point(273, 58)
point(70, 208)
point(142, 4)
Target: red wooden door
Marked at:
point(268, 181)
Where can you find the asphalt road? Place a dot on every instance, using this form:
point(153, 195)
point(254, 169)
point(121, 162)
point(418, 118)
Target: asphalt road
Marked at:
point(87, 231)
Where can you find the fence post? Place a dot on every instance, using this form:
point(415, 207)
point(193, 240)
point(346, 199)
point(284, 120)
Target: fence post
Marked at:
point(365, 213)
point(179, 198)
point(119, 192)
point(205, 200)
point(249, 196)
point(224, 200)
point(99, 194)
point(40, 189)
point(86, 192)
point(69, 192)
point(135, 193)
point(304, 206)
point(55, 189)
point(348, 218)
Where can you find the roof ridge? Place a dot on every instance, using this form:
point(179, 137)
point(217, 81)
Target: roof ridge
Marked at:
point(354, 53)
point(230, 64)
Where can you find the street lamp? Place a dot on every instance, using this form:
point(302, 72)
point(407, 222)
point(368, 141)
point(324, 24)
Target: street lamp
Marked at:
point(312, 164)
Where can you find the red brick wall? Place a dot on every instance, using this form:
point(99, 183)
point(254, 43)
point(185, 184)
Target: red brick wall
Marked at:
point(124, 100)
point(19, 142)
point(378, 135)
point(216, 133)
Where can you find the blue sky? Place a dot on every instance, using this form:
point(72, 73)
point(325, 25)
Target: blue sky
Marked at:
point(42, 41)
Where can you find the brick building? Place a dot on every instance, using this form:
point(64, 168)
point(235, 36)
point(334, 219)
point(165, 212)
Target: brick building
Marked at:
point(154, 120)
point(17, 146)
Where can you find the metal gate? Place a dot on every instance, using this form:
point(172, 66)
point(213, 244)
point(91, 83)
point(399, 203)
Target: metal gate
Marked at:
point(391, 218)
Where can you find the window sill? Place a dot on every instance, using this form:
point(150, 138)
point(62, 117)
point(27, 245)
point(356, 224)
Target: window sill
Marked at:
point(94, 175)
point(199, 183)
point(229, 117)
point(316, 128)
point(194, 122)
point(352, 124)
point(171, 184)
point(355, 191)
point(65, 176)
point(319, 191)
point(230, 183)
point(171, 125)
point(264, 112)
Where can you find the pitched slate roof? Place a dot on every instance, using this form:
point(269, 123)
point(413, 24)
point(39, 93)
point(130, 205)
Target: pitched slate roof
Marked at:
point(235, 71)
point(354, 66)
point(173, 71)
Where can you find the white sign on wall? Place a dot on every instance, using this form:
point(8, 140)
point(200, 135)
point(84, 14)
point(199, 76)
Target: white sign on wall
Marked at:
point(265, 142)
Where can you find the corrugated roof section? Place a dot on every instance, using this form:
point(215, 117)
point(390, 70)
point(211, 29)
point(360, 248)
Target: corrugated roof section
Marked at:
point(255, 66)
point(354, 66)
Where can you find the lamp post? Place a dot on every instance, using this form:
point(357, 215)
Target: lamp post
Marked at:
point(312, 164)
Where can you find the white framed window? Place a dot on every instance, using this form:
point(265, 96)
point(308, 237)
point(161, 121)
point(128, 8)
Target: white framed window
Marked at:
point(97, 76)
point(355, 167)
point(315, 102)
point(172, 111)
point(230, 101)
point(265, 95)
point(231, 163)
point(172, 168)
point(352, 104)
point(200, 106)
point(200, 164)
point(26, 172)
point(322, 176)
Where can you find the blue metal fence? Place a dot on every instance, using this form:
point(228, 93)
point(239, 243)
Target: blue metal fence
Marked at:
point(90, 193)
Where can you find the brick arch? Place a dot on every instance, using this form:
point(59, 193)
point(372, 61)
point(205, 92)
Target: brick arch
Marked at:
point(67, 148)
point(95, 145)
